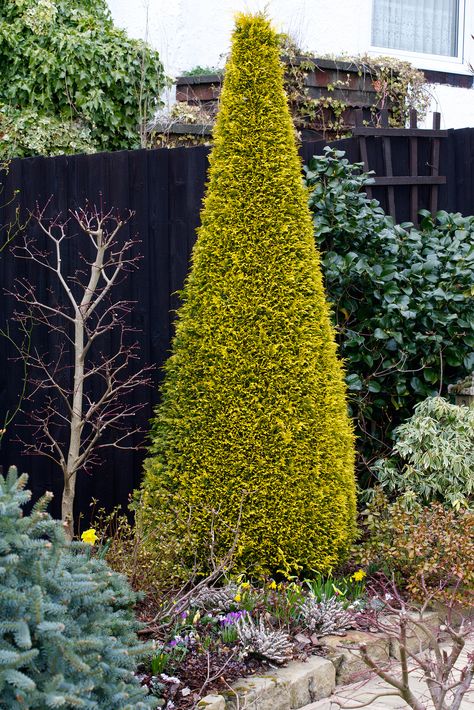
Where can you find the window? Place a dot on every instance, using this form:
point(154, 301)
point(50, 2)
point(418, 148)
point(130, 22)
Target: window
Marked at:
point(423, 26)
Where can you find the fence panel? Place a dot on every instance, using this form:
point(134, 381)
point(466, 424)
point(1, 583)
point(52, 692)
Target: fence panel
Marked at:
point(164, 188)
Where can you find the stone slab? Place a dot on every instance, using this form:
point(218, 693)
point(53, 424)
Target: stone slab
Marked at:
point(257, 693)
point(307, 681)
point(417, 639)
point(212, 702)
point(342, 651)
point(288, 688)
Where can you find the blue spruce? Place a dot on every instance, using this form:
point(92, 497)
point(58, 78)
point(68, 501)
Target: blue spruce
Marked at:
point(67, 628)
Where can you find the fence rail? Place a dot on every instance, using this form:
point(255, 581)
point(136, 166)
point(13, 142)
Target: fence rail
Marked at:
point(165, 188)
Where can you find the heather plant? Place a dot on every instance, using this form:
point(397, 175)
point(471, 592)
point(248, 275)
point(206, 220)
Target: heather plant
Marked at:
point(259, 640)
point(252, 437)
point(403, 305)
point(325, 617)
point(216, 598)
point(67, 627)
point(433, 456)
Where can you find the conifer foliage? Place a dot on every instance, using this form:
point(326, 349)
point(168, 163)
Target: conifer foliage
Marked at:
point(67, 630)
point(252, 434)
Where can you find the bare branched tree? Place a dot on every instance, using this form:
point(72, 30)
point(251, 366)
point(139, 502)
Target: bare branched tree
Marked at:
point(83, 387)
point(432, 651)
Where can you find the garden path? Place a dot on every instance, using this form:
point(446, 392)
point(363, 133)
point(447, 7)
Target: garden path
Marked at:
point(359, 694)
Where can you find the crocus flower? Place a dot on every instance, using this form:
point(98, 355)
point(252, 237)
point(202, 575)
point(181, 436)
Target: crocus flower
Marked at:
point(231, 618)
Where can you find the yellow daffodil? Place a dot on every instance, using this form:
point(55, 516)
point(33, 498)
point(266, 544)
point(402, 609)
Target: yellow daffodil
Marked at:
point(272, 584)
point(359, 575)
point(245, 585)
point(89, 536)
point(237, 598)
point(196, 617)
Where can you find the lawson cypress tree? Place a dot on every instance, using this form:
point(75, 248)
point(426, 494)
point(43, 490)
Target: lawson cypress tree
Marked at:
point(252, 431)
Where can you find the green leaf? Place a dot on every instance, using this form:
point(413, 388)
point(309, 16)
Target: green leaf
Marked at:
point(354, 382)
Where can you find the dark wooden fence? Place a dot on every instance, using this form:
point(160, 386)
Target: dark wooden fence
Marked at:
point(165, 189)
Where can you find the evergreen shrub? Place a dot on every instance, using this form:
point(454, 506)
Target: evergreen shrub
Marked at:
point(67, 628)
point(427, 550)
point(252, 436)
point(403, 298)
point(433, 456)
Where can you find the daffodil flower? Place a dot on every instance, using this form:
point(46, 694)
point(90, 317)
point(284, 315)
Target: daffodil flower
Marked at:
point(89, 536)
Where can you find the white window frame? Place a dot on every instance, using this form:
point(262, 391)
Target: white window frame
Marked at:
point(436, 62)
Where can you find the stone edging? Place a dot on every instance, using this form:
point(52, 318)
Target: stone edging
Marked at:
point(301, 683)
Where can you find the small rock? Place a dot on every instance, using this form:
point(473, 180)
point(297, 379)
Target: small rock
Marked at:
point(302, 639)
point(212, 702)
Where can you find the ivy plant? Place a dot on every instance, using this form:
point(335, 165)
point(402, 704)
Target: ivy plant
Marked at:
point(25, 132)
point(66, 61)
point(402, 298)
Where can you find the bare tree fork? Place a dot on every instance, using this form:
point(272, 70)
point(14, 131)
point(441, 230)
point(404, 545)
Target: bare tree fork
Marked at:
point(85, 388)
point(437, 666)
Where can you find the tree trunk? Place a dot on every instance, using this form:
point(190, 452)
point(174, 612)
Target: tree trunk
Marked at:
point(77, 421)
point(67, 506)
point(75, 429)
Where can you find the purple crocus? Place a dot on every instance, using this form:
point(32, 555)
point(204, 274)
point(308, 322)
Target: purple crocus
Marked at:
point(231, 618)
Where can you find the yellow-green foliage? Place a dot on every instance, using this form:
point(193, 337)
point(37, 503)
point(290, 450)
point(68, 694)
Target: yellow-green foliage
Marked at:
point(253, 413)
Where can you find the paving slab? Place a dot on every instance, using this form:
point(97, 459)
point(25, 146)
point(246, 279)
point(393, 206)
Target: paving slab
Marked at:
point(362, 691)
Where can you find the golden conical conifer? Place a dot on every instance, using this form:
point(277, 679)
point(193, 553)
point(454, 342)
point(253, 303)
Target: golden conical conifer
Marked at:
point(253, 419)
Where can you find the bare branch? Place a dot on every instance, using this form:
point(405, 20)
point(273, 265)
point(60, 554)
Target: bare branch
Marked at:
point(80, 393)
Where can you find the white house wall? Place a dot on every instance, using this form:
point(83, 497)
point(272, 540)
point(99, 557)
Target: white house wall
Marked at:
point(197, 32)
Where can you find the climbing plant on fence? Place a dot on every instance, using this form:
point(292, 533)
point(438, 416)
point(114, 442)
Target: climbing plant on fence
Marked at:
point(403, 297)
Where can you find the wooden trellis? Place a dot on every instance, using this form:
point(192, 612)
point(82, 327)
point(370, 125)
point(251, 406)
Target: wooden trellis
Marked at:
point(414, 180)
